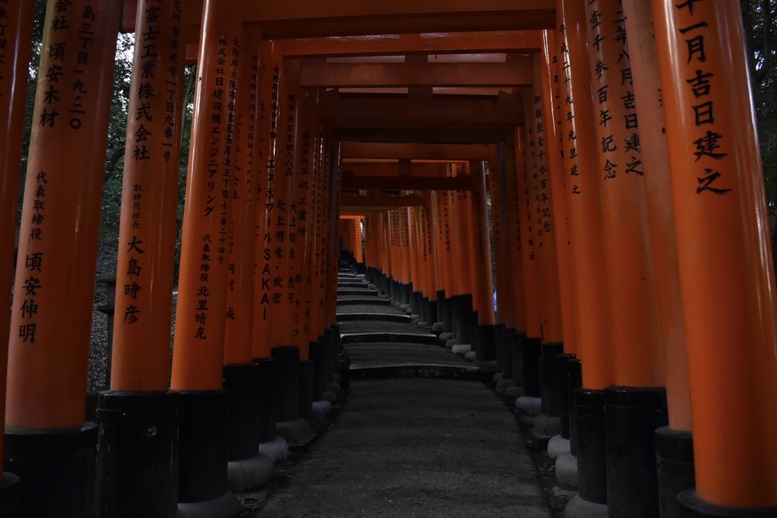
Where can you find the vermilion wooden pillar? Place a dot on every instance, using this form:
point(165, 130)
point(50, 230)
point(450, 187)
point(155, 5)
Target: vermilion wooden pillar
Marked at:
point(198, 353)
point(429, 260)
point(632, 302)
point(53, 296)
point(308, 189)
point(358, 252)
point(270, 112)
point(299, 223)
point(14, 58)
point(242, 124)
point(550, 86)
point(442, 251)
point(636, 405)
point(317, 188)
point(445, 248)
point(499, 216)
point(544, 222)
point(483, 287)
point(515, 239)
point(487, 333)
point(582, 190)
point(333, 214)
point(722, 233)
point(312, 212)
point(673, 443)
point(202, 288)
point(279, 208)
point(541, 216)
point(463, 303)
point(140, 372)
point(580, 151)
point(144, 276)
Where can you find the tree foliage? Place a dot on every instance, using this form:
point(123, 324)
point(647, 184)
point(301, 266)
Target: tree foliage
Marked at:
point(760, 25)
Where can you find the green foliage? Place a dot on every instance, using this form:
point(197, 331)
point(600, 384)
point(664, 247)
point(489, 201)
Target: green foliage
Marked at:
point(117, 135)
point(760, 24)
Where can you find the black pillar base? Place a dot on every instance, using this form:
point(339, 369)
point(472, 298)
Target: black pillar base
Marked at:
point(461, 312)
point(329, 360)
point(516, 345)
point(548, 372)
point(10, 496)
point(423, 310)
point(531, 350)
point(591, 452)
point(137, 454)
point(703, 509)
point(203, 445)
point(266, 389)
point(562, 368)
point(56, 470)
point(674, 455)
point(504, 355)
point(287, 395)
point(447, 315)
point(306, 371)
point(632, 415)
point(441, 307)
point(575, 381)
point(242, 384)
point(415, 302)
point(485, 345)
point(316, 355)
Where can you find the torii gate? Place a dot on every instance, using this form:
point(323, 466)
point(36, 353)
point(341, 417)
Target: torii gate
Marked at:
point(635, 225)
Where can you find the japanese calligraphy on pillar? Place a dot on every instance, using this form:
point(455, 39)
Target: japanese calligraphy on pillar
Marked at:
point(445, 204)
point(709, 143)
point(617, 116)
point(568, 138)
point(514, 223)
point(479, 209)
point(540, 174)
point(298, 234)
point(156, 86)
point(210, 253)
point(228, 57)
point(61, 105)
point(268, 138)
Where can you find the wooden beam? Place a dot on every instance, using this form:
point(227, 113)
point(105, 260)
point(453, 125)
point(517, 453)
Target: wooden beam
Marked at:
point(431, 135)
point(319, 74)
point(381, 201)
point(394, 168)
point(312, 18)
point(502, 111)
point(417, 151)
point(406, 183)
point(404, 44)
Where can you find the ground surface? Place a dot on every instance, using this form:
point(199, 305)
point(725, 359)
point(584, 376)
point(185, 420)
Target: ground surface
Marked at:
point(419, 438)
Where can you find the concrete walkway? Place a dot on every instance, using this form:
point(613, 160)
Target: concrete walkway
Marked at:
point(417, 435)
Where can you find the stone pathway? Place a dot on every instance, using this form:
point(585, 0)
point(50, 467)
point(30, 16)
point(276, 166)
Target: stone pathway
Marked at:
point(418, 435)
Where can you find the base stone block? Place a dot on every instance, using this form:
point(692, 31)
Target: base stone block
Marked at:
point(247, 474)
point(558, 446)
point(579, 508)
point(225, 506)
point(566, 469)
point(277, 449)
point(530, 405)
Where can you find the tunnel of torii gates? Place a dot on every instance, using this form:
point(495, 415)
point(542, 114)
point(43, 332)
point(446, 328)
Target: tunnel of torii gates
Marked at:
point(630, 235)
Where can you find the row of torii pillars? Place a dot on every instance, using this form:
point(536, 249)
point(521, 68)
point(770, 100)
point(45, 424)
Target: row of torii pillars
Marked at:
point(651, 280)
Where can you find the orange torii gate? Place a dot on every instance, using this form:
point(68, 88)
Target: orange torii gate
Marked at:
point(630, 286)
